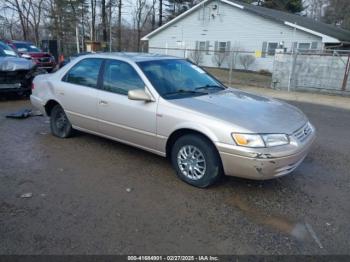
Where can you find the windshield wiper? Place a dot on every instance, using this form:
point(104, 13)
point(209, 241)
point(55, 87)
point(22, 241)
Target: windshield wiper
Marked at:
point(184, 91)
point(210, 87)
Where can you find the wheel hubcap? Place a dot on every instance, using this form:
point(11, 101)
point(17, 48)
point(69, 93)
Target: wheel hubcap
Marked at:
point(61, 121)
point(191, 162)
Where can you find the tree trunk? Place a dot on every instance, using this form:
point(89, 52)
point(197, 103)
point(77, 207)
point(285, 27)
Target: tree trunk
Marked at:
point(104, 21)
point(93, 20)
point(160, 22)
point(21, 18)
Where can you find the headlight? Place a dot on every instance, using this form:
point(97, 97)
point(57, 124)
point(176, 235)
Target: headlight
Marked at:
point(248, 140)
point(275, 140)
point(26, 56)
point(256, 140)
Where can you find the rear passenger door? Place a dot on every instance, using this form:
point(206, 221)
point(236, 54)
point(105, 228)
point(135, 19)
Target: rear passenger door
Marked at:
point(78, 93)
point(123, 119)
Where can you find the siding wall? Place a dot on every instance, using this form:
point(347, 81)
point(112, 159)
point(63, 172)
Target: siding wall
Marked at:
point(241, 28)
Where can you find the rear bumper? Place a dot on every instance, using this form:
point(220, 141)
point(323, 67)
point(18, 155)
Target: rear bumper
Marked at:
point(263, 166)
point(38, 104)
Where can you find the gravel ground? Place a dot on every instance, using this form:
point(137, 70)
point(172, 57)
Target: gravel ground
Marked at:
point(89, 195)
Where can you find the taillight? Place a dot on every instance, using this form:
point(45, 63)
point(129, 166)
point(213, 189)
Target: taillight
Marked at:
point(32, 86)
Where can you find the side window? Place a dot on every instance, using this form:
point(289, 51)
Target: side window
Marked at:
point(84, 73)
point(120, 77)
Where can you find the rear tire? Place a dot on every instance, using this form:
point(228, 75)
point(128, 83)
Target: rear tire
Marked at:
point(59, 123)
point(196, 161)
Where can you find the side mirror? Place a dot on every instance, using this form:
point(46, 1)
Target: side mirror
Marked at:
point(139, 95)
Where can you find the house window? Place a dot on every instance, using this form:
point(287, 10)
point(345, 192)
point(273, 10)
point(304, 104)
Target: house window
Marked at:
point(222, 47)
point(271, 48)
point(304, 46)
point(201, 46)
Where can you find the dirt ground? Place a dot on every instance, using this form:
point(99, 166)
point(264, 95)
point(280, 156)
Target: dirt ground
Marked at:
point(89, 195)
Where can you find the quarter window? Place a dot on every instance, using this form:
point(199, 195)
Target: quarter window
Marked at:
point(120, 77)
point(84, 73)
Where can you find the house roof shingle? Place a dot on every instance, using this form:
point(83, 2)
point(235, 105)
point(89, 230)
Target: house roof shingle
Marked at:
point(280, 16)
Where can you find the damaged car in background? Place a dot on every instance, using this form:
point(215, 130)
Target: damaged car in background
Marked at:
point(16, 73)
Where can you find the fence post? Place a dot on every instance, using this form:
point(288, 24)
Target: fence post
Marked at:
point(230, 71)
point(346, 75)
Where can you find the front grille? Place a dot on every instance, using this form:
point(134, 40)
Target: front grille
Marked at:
point(44, 59)
point(303, 133)
point(12, 77)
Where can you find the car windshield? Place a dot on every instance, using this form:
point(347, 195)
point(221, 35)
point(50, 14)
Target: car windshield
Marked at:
point(6, 51)
point(177, 78)
point(27, 47)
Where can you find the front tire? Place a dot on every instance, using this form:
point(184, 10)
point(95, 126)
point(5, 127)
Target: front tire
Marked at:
point(59, 123)
point(196, 161)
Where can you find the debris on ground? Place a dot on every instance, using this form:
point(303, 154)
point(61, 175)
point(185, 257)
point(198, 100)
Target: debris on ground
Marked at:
point(24, 113)
point(313, 234)
point(27, 195)
point(128, 190)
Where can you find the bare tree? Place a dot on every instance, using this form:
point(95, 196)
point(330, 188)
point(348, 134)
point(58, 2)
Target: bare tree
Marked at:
point(104, 20)
point(142, 13)
point(337, 13)
point(246, 61)
point(220, 57)
point(35, 15)
point(93, 20)
point(160, 20)
point(315, 8)
point(196, 56)
point(22, 9)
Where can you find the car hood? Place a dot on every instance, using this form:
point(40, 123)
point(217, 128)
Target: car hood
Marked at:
point(39, 54)
point(15, 63)
point(247, 112)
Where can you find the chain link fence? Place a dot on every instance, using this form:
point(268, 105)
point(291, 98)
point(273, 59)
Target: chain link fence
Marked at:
point(300, 70)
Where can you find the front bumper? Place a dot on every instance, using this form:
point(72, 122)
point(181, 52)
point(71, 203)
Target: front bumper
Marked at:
point(14, 88)
point(264, 165)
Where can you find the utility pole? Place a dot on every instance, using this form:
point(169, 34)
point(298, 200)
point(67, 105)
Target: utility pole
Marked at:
point(120, 25)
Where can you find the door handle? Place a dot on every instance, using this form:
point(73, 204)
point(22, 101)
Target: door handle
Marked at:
point(103, 103)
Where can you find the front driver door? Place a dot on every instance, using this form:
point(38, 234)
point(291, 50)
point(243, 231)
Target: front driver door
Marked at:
point(133, 122)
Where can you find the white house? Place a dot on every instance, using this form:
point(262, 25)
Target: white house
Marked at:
point(215, 26)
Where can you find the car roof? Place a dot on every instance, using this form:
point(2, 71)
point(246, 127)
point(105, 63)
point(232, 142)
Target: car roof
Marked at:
point(135, 57)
